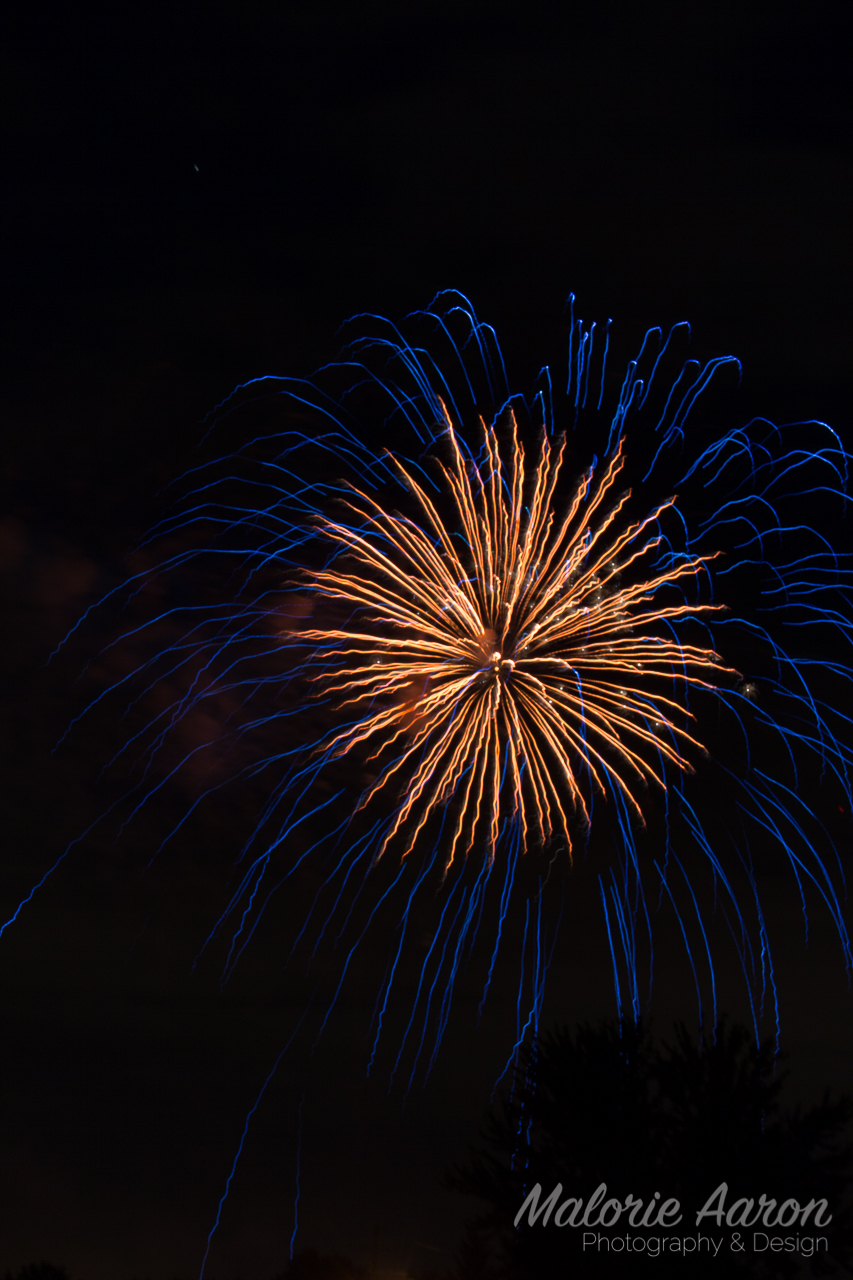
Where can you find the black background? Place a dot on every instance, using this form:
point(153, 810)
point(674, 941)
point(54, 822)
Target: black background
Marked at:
point(199, 195)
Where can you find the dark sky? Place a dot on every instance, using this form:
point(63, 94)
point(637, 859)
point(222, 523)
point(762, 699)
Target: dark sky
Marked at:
point(200, 195)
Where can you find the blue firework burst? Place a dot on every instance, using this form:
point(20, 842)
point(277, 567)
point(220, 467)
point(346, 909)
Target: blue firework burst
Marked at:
point(693, 684)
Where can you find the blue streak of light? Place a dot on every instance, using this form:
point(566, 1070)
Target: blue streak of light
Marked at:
point(252, 1111)
point(298, 1186)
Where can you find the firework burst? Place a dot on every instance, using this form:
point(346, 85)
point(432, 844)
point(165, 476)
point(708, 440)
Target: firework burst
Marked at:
point(432, 663)
point(517, 664)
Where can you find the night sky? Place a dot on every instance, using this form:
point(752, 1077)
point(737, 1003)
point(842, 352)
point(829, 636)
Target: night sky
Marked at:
point(200, 195)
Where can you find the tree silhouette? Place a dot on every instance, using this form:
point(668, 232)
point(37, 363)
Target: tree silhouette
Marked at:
point(605, 1106)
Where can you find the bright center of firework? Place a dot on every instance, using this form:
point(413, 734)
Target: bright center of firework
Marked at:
point(490, 656)
point(497, 667)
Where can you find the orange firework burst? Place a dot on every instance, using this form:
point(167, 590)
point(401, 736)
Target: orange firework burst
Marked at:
point(522, 639)
point(503, 659)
